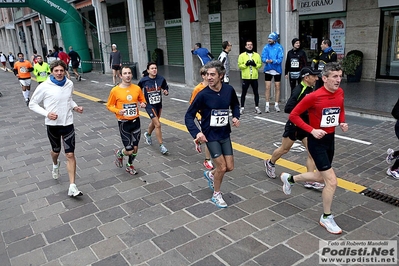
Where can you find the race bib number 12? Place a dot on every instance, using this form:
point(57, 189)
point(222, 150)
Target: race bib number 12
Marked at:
point(219, 117)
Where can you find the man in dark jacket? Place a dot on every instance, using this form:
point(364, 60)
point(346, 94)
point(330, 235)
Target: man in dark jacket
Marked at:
point(326, 55)
point(296, 60)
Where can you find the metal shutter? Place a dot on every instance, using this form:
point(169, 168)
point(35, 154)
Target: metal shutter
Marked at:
point(174, 44)
point(215, 30)
point(120, 39)
point(151, 37)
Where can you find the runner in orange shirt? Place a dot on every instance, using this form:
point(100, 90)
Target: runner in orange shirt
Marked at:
point(22, 69)
point(124, 101)
point(207, 162)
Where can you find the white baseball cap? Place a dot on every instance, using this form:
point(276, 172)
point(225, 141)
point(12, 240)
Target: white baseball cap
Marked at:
point(114, 45)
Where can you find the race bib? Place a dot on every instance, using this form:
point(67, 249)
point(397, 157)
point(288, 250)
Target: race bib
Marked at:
point(154, 98)
point(295, 75)
point(294, 63)
point(321, 65)
point(130, 109)
point(330, 117)
point(219, 117)
point(43, 74)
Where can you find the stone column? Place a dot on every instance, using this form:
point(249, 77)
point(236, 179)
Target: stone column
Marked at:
point(46, 33)
point(137, 34)
point(27, 49)
point(36, 36)
point(104, 38)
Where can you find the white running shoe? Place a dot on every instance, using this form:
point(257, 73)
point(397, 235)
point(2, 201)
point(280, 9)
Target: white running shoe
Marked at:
point(147, 138)
point(219, 201)
point(209, 178)
point(130, 169)
point(208, 164)
point(390, 157)
point(393, 173)
point(286, 185)
point(74, 191)
point(257, 110)
point(267, 109)
point(241, 110)
point(270, 169)
point(163, 149)
point(56, 170)
point(277, 108)
point(330, 225)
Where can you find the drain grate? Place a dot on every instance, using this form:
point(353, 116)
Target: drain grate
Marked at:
point(380, 196)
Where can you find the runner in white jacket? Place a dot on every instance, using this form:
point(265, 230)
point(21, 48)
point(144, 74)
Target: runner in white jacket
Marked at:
point(56, 95)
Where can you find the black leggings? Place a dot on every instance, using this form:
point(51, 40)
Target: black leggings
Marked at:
point(245, 86)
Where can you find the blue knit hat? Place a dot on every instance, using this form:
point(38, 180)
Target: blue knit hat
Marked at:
point(273, 36)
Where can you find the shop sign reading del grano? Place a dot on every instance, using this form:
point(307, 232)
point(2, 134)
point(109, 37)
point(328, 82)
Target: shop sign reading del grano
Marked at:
point(306, 7)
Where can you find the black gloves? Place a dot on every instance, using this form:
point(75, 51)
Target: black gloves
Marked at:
point(250, 63)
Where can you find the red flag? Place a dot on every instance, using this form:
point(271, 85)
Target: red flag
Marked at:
point(192, 10)
point(269, 7)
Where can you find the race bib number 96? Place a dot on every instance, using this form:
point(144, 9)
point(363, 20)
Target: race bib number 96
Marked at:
point(130, 109)
point(219, 117)
point(330, 117)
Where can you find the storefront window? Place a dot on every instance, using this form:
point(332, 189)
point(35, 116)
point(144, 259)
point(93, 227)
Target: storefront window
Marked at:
point(171, 9)
point(389, 49)
point(149, 11)
point(311, 33)
point(214, 6)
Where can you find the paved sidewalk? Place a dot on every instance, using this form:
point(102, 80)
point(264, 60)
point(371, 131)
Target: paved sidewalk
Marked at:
point(163, 215)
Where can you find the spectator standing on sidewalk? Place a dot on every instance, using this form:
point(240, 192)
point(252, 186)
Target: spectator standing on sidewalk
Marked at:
point(213, 103)
point(153, 87)
point(115, 63)
point(56, 95)
point(3, 61)
point(249, 62)
point(202, 85)
point(11, 60)
point(203, 54)
point(392, 154)
point(326, 55)
point(75, 61)
point(295, 61)
point(124, 101)
point(326, 111)
point(224, 58)
point(272, 56)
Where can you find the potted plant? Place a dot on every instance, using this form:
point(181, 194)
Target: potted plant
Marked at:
point(352, 65)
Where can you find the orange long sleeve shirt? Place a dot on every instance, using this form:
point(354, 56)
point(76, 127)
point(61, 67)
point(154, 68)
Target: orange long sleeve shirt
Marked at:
point(128, 99)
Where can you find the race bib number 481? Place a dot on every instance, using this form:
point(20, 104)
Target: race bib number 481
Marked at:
point(330, 117)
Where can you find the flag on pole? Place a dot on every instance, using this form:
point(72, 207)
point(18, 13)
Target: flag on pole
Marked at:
point(192, 9)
